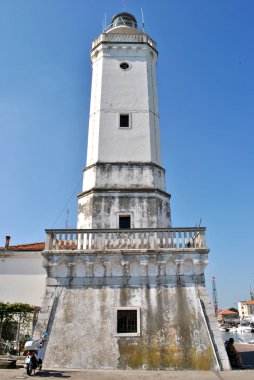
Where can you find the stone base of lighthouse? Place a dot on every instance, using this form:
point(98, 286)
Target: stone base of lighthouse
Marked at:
point(175, 326)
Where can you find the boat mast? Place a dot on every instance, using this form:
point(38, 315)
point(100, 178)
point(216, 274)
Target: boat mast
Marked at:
point(215, 299)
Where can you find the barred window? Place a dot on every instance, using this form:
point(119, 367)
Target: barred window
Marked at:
point(128, 321)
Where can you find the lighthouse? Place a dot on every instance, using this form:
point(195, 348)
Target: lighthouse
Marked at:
point(126, 289)
point(123, 182)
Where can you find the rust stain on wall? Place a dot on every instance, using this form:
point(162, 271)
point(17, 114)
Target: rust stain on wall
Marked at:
point(142, 354)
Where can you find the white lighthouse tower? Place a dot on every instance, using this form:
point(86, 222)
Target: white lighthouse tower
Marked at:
point(126, 290)
point(124, 183)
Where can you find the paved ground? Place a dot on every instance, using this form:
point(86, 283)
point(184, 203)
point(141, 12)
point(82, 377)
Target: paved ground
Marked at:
point(247, 352)
point(124, 375)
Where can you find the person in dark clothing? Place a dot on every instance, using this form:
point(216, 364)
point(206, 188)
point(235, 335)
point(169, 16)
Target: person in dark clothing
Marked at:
point(233, 355)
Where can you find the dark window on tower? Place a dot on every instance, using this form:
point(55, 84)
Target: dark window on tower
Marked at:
point(124, 66)
point(127, 321)
point(124, 121)
point(124, 221)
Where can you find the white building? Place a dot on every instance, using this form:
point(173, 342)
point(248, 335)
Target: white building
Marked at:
point(126, 289)
point(246, 309)
point(22, 276)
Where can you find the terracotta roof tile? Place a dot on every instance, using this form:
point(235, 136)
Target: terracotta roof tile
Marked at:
point(249, 303)
point(25, 247)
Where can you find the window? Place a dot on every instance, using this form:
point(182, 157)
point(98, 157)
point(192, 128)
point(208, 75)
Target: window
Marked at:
point(128, 321)
point(124, 221)
point(124, 121)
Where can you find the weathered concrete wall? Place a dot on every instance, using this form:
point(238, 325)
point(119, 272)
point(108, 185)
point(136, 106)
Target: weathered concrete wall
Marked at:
point(124, 175)
point(173, 330)
point(84, 290)
point(136, 189)
point(101, 209)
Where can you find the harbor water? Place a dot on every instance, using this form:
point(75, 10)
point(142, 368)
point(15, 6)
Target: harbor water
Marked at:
point(238, 337)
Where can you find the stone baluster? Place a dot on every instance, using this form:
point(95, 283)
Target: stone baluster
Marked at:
point(71, 241)
point(181, 243)
point(88, 240)
point(174, 240)
point(111, 240)
point(136, 241)
point(202, 239)
point(80, 240)
point(128, 240)
point(150, 238)
point(170, 239)
point(49, 241)
point(186, 238)
point(106, 240)
point(85, 240)
point(192, 238)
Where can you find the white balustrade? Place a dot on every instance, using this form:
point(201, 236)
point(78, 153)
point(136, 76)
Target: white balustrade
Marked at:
point(108, 240)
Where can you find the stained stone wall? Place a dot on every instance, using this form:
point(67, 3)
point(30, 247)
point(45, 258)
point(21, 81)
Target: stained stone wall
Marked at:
point(83, 292)
point(136, 189)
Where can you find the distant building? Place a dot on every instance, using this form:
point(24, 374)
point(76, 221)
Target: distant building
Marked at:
point(22, 276)
point(246, 308)
point(225, 315)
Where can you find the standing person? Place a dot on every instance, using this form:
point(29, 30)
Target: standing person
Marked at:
point(233, 355)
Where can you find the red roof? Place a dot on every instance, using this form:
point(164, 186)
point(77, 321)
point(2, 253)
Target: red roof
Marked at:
point(249, 303)
point(25, 247)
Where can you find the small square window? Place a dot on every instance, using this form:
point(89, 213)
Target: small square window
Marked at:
point(124, 121)
point(124, 221)
point(128, 321)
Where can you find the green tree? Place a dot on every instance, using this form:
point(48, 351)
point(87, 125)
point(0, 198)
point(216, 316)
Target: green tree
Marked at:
point(233, 309)
point(19, 318)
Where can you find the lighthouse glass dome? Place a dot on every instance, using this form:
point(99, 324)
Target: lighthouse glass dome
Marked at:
point(124, 19)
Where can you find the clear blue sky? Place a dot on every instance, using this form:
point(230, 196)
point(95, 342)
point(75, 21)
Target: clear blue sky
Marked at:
point(206, 100)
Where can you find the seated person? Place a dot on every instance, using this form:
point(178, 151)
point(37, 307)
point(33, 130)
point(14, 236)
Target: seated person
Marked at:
point(234, 356)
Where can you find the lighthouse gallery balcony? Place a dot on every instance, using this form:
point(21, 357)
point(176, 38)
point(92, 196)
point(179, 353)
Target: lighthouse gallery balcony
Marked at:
point(155, 239)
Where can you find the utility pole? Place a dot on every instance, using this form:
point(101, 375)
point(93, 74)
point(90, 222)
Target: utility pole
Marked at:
point(215, 299)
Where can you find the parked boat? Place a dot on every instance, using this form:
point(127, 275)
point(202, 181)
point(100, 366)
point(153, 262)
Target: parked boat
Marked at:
point(248, 328)
point(224, 328)
point(245, 329)
point(233, 329)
